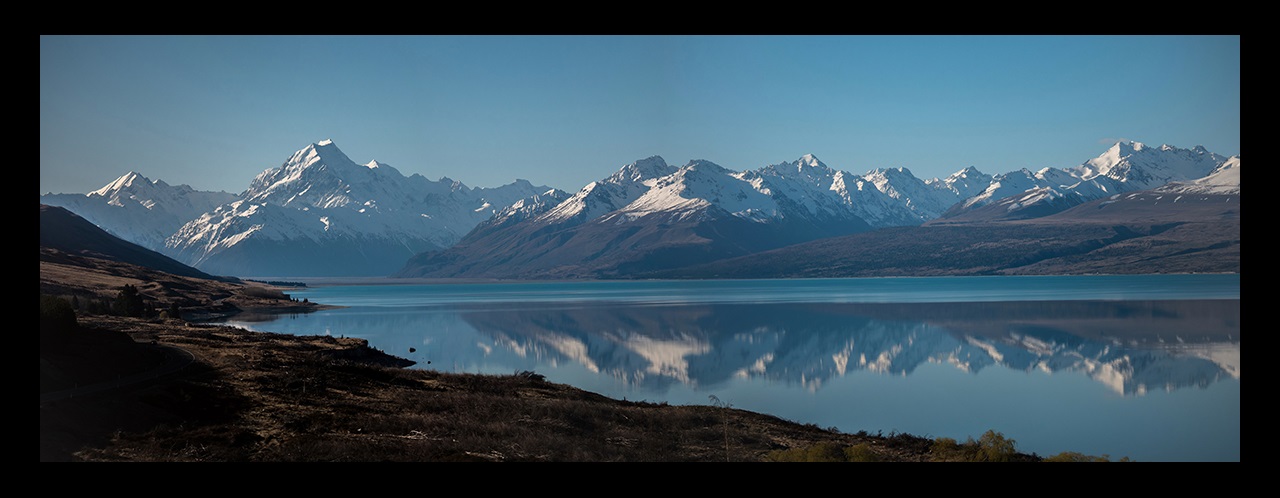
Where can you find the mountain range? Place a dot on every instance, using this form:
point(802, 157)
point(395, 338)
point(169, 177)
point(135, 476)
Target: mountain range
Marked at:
point(322, 214)
point(318, 214)
point(805, 219)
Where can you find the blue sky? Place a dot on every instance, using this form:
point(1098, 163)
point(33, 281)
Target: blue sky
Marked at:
point(214, 111)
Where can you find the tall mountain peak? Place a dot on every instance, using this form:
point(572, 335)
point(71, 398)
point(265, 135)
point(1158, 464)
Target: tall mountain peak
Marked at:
point(1140, 166)
point(645, 169)
point(130, 179)
point(324, 150)
point(702, 163)
point(968, 172)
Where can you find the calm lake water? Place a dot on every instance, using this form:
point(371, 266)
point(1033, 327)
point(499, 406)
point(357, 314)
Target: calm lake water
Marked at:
point(1144, 367)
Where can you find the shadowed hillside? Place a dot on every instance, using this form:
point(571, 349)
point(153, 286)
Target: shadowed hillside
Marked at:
point(1138, 233)
point(68, 233)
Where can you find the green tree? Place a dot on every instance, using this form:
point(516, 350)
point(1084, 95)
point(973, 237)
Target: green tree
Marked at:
point(994, 447)
point(128, 302)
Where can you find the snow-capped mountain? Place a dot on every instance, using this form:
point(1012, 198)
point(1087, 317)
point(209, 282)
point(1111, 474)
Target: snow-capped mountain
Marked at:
point(322, 214)
point(610, 194)
point(140, 210)
point(1224, 180)
point(649, 215)
point(1180, 227)
point(1126, 166)
point(1141, 167)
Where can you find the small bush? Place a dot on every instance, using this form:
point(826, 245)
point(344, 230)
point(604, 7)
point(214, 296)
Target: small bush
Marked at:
point(945, 448)
point(129, 302)
point(994, 447)
point(991, 447)
point(56, 314)
point(825, 452)
point(860, 452)
point(531, 375)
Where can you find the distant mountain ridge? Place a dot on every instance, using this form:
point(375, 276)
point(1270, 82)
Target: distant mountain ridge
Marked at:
point(1177, 228)
point(649, 218)
point(318, 214)
point(140, 210)
point(322, 214)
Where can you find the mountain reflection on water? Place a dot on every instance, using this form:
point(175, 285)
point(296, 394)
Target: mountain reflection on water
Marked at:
point(1130, 346)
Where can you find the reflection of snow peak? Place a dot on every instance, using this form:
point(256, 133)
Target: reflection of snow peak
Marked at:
point(668, 358)
point(655, 344)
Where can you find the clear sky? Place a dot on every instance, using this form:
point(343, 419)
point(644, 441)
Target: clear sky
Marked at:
point(214, 111)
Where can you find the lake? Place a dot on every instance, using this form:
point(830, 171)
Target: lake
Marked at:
point(1144, 367)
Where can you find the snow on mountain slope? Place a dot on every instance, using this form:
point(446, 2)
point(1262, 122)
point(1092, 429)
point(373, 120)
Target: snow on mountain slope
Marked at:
point(610, 194)
point(806, 186)
point(924, 200)
point(1005, 185)
point(1124, 167)
point(804, 190)
point(1141, 167)
point(695, 187)
point(1225, 179)
point(321, 198)
point(523, 209)
point(139, 210)
point(962, 184)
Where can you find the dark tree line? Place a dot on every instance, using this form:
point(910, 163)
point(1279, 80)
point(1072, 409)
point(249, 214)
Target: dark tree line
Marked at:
point(129, 301)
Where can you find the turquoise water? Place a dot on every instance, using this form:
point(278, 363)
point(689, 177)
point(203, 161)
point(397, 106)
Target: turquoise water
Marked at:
point(1144, 367)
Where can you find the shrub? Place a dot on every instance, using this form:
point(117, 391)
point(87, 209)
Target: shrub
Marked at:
point(128, 302)
point(994, 447)
point(787, 455)
point(991, 447)
point(56, 314)
point(531, 375)
point(825, 452)
point(945, 448)
point(860, 452)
